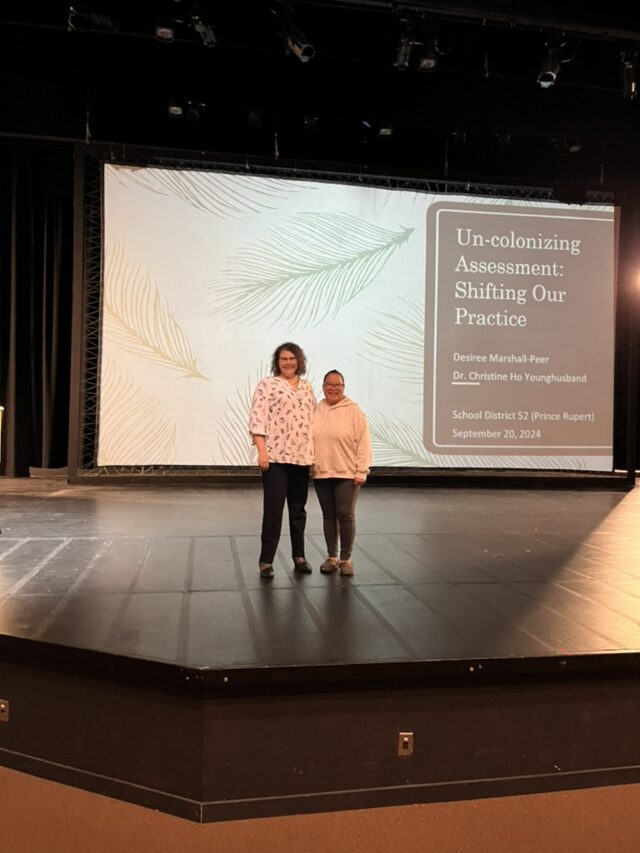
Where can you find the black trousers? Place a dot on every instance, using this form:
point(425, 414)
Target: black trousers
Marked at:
point(282, 482)
point(338, 498)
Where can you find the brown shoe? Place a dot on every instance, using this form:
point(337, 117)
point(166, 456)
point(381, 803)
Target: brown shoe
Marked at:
point(329, 566)
point(346, 568)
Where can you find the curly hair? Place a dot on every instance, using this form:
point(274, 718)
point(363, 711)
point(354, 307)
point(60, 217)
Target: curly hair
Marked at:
point(299, 354)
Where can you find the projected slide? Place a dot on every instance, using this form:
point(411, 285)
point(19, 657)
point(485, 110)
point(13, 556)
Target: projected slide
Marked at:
point(474, 333)
point(514, 359)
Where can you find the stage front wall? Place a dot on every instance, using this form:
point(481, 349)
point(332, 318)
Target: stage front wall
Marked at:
point(473, 332)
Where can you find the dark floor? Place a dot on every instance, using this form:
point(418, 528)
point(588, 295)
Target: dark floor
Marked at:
point(170, 574)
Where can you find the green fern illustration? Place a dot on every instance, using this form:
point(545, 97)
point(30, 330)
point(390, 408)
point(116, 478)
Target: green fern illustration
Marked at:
point(140, 321)
point(396, 443)
point(134, 429)
point(225, 196)
point(396, 342)
point(308, 268)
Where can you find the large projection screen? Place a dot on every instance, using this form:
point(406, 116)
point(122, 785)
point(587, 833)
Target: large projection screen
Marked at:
point(473, 332)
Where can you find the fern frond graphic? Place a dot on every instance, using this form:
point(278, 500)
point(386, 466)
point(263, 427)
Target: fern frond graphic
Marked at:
point(140, 321)
point(396, 342)
point(306, 269)
point(134, 429)
point(396, 443)
point(225, 196)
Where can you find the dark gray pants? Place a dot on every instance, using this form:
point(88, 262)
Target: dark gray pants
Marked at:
point(338, 503)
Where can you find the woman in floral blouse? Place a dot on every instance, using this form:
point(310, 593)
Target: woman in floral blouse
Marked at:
point(280, 427)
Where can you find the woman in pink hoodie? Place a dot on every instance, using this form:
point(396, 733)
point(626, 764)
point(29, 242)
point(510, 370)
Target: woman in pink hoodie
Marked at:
point(342, 457)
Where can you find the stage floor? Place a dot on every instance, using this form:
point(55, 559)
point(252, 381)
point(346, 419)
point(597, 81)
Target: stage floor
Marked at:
point(169, 574)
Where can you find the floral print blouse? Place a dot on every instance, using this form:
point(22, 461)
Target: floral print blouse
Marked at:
point(284, 416)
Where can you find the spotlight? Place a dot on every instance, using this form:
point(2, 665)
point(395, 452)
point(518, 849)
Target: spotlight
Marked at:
point(204, 30)
point(254, 118)
point(428, 60)
point(89, 20)
point(550, 67)
point(459, 138)
point(193, 110)
point(311, 124)
point(294, 39)
point(568, 145)
point(403, 54)
point(385, 131)
point(504, 141)
point(629, 74)
point(174, 109)
point(165, 34)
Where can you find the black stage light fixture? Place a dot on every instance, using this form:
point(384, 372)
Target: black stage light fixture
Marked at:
point(200, 25)
point(165, 34)
point(504, 141)
point(550, 66)
point(385, 131)
point(194, 109)
point(568, 145)
point(629, 74)
point(403, 54)
point(77, 19)
point(175, 109)
point(428, 59)
point(311, 124)
point(254, 118)
point(294, 39)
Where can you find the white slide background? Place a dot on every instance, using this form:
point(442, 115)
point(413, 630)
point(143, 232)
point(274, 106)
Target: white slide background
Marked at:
point(205, 273)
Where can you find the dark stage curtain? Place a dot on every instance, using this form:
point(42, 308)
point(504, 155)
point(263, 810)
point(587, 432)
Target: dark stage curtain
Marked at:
point(36, 209)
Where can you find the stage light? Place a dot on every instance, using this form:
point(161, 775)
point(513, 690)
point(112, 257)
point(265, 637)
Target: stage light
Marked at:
point(385, 131)
point(629, 74)
point(254, 118)
point(174, 109)
point(311, 124)
point(568, 145)
point(165, 34)
point(89, 20)
point(403, 54)
point(550, 67)
point(459, 138)
point(428, 59)
point(193, 110)
point(294, 38)
point(200, 25)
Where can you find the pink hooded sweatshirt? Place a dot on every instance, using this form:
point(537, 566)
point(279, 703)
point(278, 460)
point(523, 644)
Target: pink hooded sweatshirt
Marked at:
point(341, 441)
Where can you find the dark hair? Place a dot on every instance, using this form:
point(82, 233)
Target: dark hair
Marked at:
point(330, 372)
point(299, 354)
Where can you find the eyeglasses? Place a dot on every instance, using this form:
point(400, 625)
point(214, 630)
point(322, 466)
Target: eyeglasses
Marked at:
point(330, 385)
